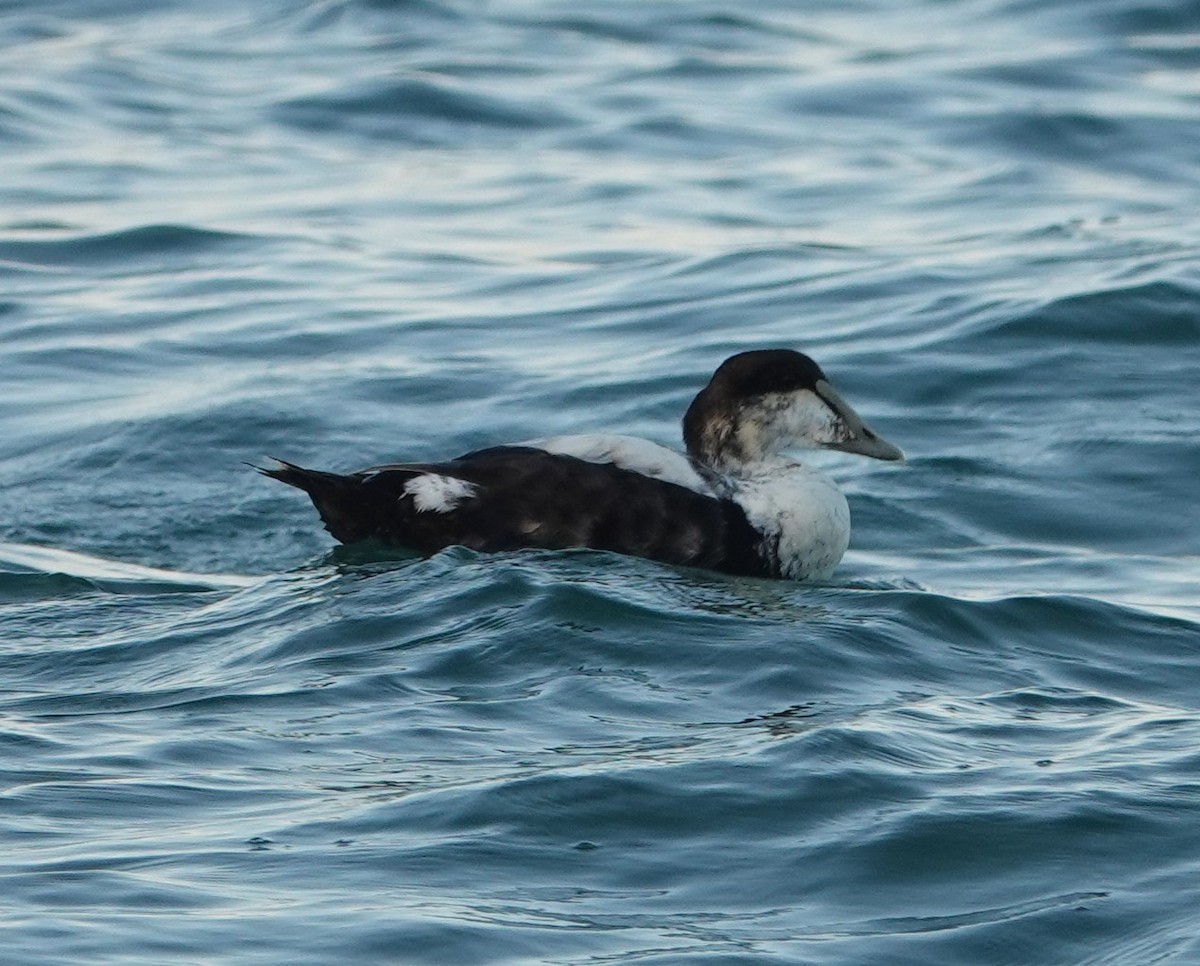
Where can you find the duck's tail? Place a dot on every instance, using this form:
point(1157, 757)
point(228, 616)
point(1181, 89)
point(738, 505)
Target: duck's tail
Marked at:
point(340, 500)
point(298, 476)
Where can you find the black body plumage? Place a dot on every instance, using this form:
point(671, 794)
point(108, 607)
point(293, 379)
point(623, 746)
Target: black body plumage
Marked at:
point(526, 497)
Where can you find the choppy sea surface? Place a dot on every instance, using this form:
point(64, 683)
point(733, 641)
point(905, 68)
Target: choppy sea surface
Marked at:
point(345, 232)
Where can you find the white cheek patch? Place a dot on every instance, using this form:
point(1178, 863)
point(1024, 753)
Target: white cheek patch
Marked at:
point(810, 417)
point(786, 420)
point(438, 494)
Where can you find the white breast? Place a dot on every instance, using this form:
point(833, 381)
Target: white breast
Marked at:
point(802, 515)
point(629, 453)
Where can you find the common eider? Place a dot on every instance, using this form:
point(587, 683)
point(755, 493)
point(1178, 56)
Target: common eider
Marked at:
point(734, 502)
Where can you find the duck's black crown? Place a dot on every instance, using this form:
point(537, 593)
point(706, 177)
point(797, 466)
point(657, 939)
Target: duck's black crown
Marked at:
point(763, 371)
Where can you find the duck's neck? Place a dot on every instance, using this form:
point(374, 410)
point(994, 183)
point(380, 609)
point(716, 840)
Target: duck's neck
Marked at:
point(725, 439)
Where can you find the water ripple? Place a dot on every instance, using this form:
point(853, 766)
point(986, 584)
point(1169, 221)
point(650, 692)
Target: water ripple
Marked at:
point(355, 231)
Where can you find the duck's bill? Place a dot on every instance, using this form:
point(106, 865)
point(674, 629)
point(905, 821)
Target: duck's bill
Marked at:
point(853, 435)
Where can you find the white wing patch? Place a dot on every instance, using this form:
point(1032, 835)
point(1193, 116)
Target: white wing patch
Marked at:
point(629, 453)
point(432, 493)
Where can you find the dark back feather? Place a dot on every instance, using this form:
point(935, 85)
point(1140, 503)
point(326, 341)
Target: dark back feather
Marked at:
point(525, 497)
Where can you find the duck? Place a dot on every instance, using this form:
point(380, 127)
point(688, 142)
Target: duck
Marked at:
point(736, 500)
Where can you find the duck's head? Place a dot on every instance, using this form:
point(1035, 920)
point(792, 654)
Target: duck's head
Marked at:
point(760, 403)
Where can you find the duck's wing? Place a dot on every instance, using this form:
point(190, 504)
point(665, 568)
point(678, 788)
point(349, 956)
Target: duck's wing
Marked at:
point(629, 453)
point(510, 497)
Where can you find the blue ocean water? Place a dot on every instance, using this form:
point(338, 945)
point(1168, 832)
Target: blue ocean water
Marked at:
point(352, 231)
